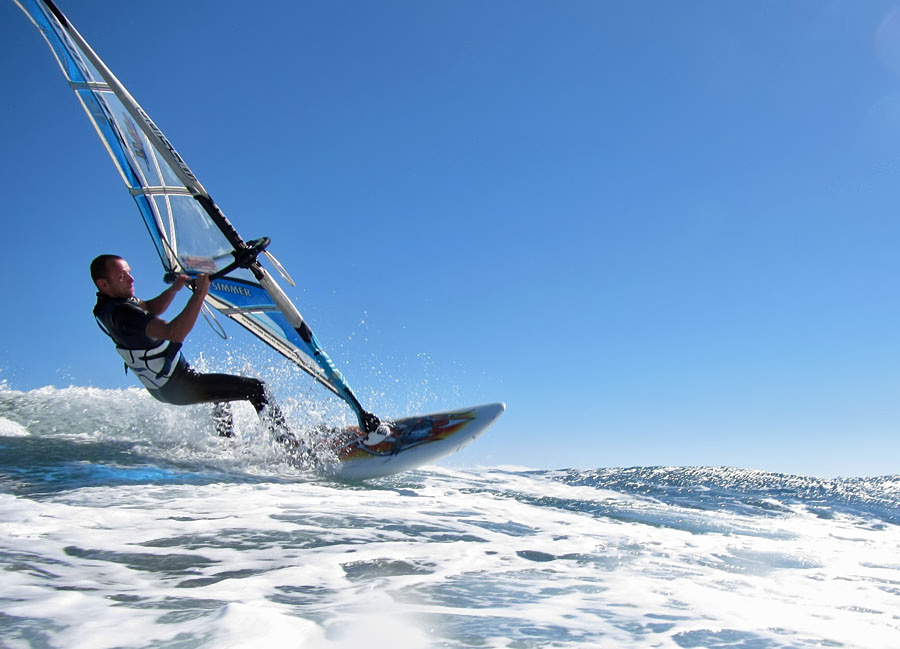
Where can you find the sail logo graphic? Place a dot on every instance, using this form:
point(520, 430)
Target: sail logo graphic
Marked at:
point(231, 288)
point(175, 159)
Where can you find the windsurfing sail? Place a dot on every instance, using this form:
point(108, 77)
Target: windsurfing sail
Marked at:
point(189, 231)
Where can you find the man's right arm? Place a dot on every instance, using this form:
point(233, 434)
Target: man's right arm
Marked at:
point(180, 326)
point(158, 305)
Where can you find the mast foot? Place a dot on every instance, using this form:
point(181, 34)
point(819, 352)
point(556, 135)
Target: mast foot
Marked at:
point(368, 422)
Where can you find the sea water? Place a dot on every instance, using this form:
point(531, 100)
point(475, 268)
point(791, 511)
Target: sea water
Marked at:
point(125, 523)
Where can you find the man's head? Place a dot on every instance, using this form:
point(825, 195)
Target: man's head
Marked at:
point(112, 275)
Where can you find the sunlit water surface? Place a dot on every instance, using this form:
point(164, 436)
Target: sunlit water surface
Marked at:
point(124, 523)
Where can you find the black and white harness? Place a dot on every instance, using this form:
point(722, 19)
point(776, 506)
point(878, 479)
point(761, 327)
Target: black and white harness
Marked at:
point(152, 361)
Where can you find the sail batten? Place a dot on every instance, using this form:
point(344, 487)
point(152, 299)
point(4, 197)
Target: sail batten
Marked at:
point(159, 191)
point(188, 229)
point(95, 86)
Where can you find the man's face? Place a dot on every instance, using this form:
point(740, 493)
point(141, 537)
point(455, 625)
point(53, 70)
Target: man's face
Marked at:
point(118, 281)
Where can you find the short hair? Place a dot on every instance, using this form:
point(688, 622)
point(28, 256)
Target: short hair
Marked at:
point(99, 266)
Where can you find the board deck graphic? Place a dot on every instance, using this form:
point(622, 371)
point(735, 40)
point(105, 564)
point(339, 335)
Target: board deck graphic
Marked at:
point(413, 442)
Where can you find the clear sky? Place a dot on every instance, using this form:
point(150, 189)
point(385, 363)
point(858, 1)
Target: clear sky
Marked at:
point(662, 232)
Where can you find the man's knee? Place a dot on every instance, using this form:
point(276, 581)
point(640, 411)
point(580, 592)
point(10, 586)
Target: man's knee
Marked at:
point(259, 396)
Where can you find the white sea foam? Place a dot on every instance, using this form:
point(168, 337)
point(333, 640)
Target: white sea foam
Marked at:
point(12, 429)
point(150, 532)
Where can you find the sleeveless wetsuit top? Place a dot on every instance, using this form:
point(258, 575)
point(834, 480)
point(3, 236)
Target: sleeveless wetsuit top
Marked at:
point(125, 321)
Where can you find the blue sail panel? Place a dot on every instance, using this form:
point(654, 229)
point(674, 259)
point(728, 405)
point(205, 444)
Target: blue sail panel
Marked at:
point(250, 305)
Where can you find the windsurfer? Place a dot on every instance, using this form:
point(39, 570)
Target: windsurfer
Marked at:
point(151, 347)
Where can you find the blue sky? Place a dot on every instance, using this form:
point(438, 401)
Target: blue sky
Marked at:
point(663, 233)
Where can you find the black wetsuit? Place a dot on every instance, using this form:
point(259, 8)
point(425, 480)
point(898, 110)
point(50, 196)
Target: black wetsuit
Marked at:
point(161, 367)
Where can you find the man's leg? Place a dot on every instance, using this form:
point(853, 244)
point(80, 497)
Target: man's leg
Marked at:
point(189, 387)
